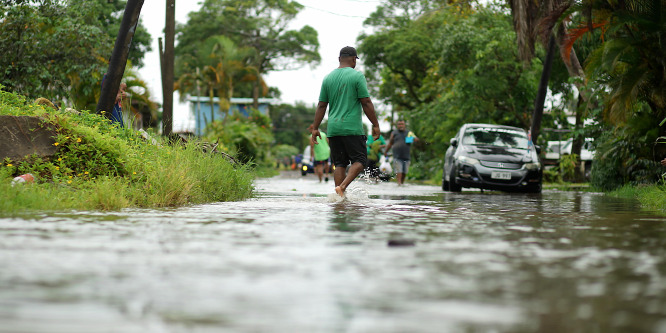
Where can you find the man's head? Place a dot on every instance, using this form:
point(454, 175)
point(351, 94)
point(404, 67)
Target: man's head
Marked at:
point(348, 56)
point(401, 125)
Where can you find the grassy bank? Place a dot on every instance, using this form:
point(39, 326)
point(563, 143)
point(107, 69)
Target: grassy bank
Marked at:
point(651, 197)
point(102, 167)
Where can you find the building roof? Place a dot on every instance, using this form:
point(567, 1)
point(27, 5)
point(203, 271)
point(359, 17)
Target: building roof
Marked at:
point(234, 100)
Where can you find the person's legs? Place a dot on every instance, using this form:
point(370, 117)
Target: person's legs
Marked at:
point(319, 171)
point(400, 178)
point(326, 170)
point(357, 153)
point(338, 175)
point(354, 170)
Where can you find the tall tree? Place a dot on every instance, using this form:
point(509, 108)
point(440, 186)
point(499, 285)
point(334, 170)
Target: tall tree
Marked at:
point(259, 24)
point(47, 46)
point(60, 49)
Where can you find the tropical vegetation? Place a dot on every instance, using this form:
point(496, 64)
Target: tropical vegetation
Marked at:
point(437, 64)
point(100, 166)
point(59, 50)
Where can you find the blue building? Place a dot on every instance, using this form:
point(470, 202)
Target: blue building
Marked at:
point(201, 109)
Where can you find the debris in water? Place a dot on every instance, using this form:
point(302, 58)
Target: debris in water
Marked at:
point(401, 242)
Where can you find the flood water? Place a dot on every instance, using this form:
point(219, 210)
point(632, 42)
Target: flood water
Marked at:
point(295, 260)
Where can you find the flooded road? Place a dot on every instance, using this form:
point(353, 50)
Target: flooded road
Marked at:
point(295, 260)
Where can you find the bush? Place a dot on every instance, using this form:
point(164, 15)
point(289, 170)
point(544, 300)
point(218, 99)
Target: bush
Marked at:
point(624, 155)
point(247, 137)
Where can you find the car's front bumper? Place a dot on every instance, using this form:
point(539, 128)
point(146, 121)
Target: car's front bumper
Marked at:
point(479, 176)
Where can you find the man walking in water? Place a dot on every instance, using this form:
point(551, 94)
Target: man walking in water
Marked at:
point(346, 91)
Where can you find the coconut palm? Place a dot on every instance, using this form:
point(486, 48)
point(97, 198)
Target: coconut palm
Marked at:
point(630, 61)
point(218, 68)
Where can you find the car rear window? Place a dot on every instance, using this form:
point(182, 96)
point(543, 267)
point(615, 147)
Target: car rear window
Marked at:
point(492, 136)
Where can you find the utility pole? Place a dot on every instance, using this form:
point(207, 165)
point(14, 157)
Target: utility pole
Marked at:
point(118, 59)
point(167, 63)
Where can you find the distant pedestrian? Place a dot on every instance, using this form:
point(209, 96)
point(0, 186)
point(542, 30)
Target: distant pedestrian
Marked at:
point(117, 111)
point(401, 141)
point(320, 152)
point(375, 149)
point(346, 91)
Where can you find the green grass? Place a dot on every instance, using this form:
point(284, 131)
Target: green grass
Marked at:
point(651, 197)
point(101, 167)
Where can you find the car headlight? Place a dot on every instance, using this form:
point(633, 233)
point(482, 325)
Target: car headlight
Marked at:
point(532, 166)
point(468, 160)
point(305, 168)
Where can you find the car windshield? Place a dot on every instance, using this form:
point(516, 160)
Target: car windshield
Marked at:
point(492, 136)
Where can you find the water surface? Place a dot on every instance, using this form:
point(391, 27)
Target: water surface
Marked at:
point(293, 260)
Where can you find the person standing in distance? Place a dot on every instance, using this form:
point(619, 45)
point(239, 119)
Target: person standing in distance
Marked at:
point(401, 141)
point(345, 92)
point(320, 154)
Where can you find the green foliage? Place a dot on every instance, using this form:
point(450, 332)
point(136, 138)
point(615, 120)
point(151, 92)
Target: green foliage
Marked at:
point(290, 124)
point(567, 165)
point(100, 166)
point(651, 197)
point(50, 47)
point(60, 49)
point(629, 62)
point(284, 151)
point(552, 175)
point(452, 65)
point(249, 138)
point(259, 26)
point(624, 155)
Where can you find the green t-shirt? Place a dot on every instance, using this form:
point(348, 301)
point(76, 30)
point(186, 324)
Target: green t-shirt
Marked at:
point(342, 89)
point(321, 150)
point(374, 149)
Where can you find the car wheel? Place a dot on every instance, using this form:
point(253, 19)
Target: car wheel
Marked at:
point(445, 184)
point(453, 186)
point(535, 189)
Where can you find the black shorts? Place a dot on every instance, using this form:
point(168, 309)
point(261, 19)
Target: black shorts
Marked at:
point(322, 162)
point(348, 149)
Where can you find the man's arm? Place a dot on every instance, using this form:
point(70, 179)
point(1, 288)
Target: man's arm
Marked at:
point(390, 144)
point(369, 110)
point(319, 116)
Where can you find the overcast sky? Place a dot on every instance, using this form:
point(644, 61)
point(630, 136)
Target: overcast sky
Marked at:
point(338, 23)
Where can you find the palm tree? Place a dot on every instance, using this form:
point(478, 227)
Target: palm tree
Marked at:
point(138, 105)
point(218, 68)
point(631, 60)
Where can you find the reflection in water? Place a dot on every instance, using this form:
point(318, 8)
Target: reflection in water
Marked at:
point(292, 261)
point(347, 217)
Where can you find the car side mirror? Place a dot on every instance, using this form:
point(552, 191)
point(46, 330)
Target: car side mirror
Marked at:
point(454, 142)
point(538, 149)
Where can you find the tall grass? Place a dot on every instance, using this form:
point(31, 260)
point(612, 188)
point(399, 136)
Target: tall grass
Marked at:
point(651, 197)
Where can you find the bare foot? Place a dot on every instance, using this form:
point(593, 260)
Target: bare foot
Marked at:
point(340, 191)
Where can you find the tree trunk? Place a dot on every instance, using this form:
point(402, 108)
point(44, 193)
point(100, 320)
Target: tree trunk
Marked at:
point(167, 69)
point(118, 59)
point(543, 90)
point(577, 144)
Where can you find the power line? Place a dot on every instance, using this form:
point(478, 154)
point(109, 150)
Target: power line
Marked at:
point(332, 13)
